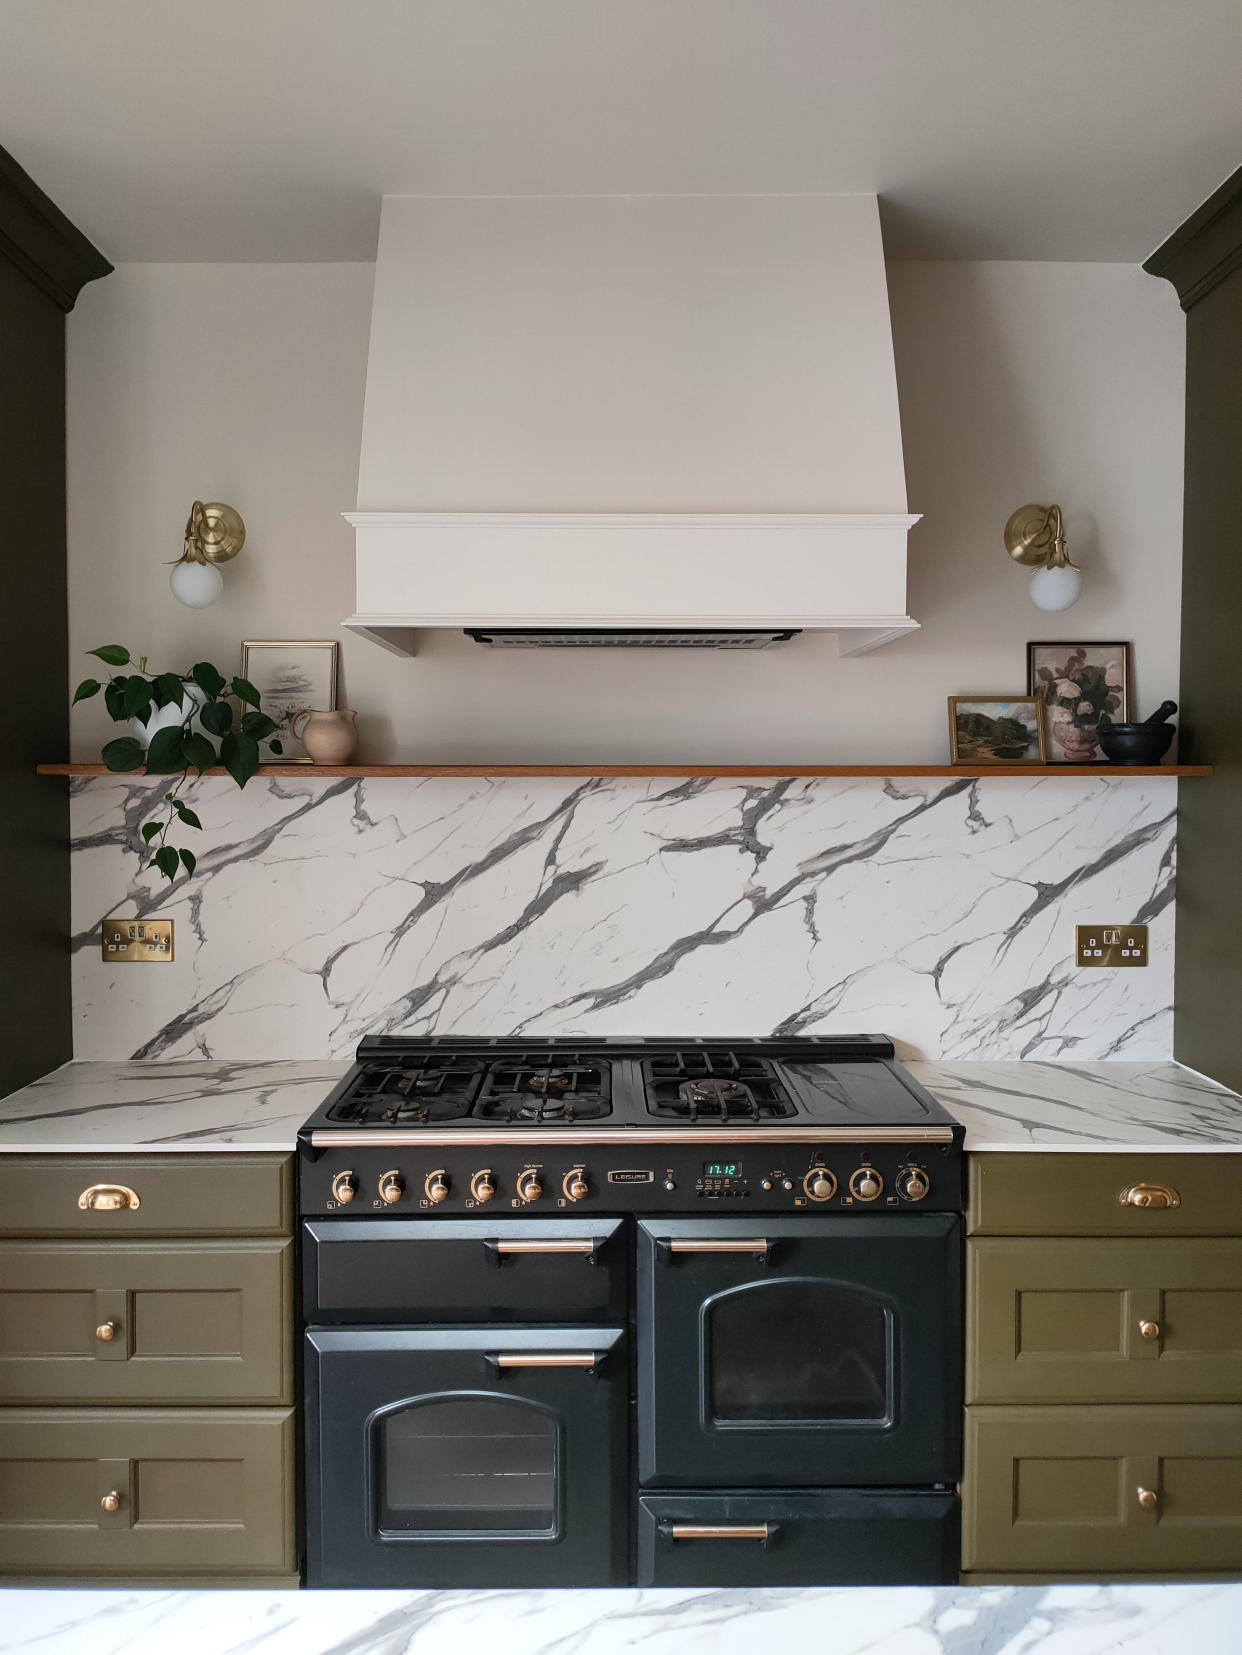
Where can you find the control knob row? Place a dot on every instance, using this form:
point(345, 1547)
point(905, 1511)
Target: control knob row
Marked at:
point(437, 1185)
point(866, 1184)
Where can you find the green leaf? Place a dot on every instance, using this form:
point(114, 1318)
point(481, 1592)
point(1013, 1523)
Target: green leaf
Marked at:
point(114, 698)
point(245, 691)
point(113, 655)
point(164, 756)
point(275, 747)
point(207, 678)
point(186, 814)
point(169, 691)
point(240, 757)
point(257, 725)
point(123, 754)
point(87, 688)
point(167, 861)
point(217, 717)
point(136, 702)
point(189, 860)
point(150, 829)
point(198, 751)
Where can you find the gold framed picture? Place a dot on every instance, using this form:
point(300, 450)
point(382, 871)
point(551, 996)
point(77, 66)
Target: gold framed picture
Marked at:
point(995, 729)
point(288, 676)
point(1082, 688)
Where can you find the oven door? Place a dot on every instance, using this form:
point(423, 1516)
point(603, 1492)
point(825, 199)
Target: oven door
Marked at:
point(799, 1352)
point(466, 1457)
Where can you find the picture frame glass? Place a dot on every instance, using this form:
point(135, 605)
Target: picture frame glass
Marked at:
point(289, 676)
point(995, 729)
point(1079, 686)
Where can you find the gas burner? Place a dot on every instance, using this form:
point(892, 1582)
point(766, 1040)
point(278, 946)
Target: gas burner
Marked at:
point(411, 1093)
point(708, 1087)
point(567, 1087)
point(511, 1111)
point(550, 1080)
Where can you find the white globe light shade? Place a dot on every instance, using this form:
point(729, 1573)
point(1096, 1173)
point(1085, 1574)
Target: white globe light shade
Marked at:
point(1056, 588)
point(196, 584)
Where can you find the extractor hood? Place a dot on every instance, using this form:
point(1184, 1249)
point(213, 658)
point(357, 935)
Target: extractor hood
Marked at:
point(638, 421)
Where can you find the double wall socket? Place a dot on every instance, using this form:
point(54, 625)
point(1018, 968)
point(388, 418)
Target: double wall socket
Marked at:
point(126, 941)
point(1111, 944)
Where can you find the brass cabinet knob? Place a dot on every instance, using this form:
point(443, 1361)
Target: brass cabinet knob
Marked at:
point(529, 1187)
point(575, 1185)
point(111, 1501)
point(391, 1187)
point(483, 1185)
point(820, 1184)
point(107, 1331)
point(109, 1198)
point(1150, 1195)
point(436, 1185)
point(1148, 1499)
point(344, 1186)
point(866, 1184)
point(1149, 1330)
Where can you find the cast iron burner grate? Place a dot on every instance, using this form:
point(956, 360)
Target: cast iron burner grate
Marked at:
point(411, 1093)
point(708, 1087)
point(545, 1088)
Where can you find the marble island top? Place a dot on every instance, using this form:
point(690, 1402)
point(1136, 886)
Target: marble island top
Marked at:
point(210, 1105)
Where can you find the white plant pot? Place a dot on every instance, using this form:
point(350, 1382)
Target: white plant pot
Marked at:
point(162, 718)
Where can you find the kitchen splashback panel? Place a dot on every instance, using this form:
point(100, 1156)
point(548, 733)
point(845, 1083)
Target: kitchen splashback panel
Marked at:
point(941, 912)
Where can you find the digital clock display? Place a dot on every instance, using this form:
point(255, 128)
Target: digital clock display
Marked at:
point(722, 1169)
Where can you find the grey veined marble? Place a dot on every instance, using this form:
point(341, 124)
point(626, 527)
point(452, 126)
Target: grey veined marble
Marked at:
point(938, 911)
point(1060, 1620)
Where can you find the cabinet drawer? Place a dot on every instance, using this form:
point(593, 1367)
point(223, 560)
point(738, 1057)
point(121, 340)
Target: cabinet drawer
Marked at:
point(194, 1492)
point(147, 1321)
point(1058, 1489)
point(1083, 1195)
point(176, 1195)
point(1105, 1321)
point(859, 1537)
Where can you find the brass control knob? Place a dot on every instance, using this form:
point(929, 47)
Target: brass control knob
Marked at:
point(912, 1183)
point(483, 1185)
point(575, 1185)
point(344, 1187)
point(107, 1331)
point(436, 1185)
point(1148, 1499)
point(528, 1186)
point(820, 1184)
point(111, 1501)
point(866, 1184)
point(391, 1187)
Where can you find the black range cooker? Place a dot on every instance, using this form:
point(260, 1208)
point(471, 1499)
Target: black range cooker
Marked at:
point(670, 1312)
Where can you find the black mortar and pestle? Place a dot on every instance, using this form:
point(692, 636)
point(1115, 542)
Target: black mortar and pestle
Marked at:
point(1144, 743)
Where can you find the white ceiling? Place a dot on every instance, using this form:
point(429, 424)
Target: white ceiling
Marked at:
point(269, 129)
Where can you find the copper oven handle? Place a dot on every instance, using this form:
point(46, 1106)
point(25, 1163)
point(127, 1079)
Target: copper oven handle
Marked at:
point(719, 1531)
point(582, 1247)
point(756, 1245)
point(547, 1359)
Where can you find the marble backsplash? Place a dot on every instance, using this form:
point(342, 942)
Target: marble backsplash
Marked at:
point(938, 911)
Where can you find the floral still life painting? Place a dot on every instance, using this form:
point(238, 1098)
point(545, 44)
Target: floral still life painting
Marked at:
point(1082, 688)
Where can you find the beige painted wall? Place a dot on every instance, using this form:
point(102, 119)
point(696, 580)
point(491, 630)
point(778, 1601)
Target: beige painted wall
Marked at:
point(245, 383)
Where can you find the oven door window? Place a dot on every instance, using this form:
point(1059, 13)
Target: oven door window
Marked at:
point(467, 1466)
point(801, 1350)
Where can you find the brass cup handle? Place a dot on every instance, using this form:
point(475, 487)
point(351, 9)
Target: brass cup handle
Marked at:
point(1150, 1195)
point(1149, 1330)
point(107, 1331)
point(720, 1531)
point(111, 1501)
point(1148, 1498)
point(109, 1198)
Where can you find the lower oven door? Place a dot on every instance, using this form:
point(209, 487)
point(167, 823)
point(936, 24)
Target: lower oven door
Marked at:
point(799, 1352)
point(855, 1537)
point(466, 1457)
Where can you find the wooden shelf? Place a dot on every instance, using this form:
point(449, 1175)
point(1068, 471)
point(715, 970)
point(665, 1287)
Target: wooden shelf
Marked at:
point(1112, 772)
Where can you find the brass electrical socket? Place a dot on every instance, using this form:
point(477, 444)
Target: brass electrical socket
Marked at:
point(1120, 945)
point(130, 941)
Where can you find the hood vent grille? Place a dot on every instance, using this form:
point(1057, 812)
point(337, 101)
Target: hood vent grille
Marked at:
point(551, 637)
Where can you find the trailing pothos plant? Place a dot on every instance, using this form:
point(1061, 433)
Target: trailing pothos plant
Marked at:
point(177, 749)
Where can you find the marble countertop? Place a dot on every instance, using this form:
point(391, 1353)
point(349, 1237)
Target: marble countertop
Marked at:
point(945, 1620)
point(125, 1107)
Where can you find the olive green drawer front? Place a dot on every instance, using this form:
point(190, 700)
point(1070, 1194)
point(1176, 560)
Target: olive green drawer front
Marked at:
point(95, 1195)
point(1082, 1195)
point(1120, 1489)
point(1104, 1321)
point(146, 1491)
point(148, 1321)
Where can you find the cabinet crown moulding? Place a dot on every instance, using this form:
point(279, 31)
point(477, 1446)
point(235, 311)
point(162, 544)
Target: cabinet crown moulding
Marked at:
point(37, 238)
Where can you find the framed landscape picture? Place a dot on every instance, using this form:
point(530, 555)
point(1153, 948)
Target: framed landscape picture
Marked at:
point(1080, 687)
point(289, 676)
point(995, 729)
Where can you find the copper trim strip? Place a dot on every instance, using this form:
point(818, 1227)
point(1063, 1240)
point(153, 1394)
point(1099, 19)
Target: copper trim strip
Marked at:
point(720, 1531)
point(548, 1359)
point(604, 1136)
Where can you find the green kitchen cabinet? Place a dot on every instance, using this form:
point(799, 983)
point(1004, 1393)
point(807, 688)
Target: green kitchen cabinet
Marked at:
point(1085, 1491)
point(1155, 1196)
point(1104, 1321)
point(149, 1492)
point(155, 1322)
point(119, 1198)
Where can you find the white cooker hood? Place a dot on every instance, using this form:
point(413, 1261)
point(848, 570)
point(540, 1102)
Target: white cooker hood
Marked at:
point(631, 419)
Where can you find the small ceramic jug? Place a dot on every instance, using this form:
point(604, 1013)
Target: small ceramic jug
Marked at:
point(329, 738)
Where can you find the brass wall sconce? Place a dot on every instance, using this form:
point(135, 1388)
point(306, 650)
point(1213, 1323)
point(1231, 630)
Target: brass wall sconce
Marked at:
point(214, 534)
point(1035, 536)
